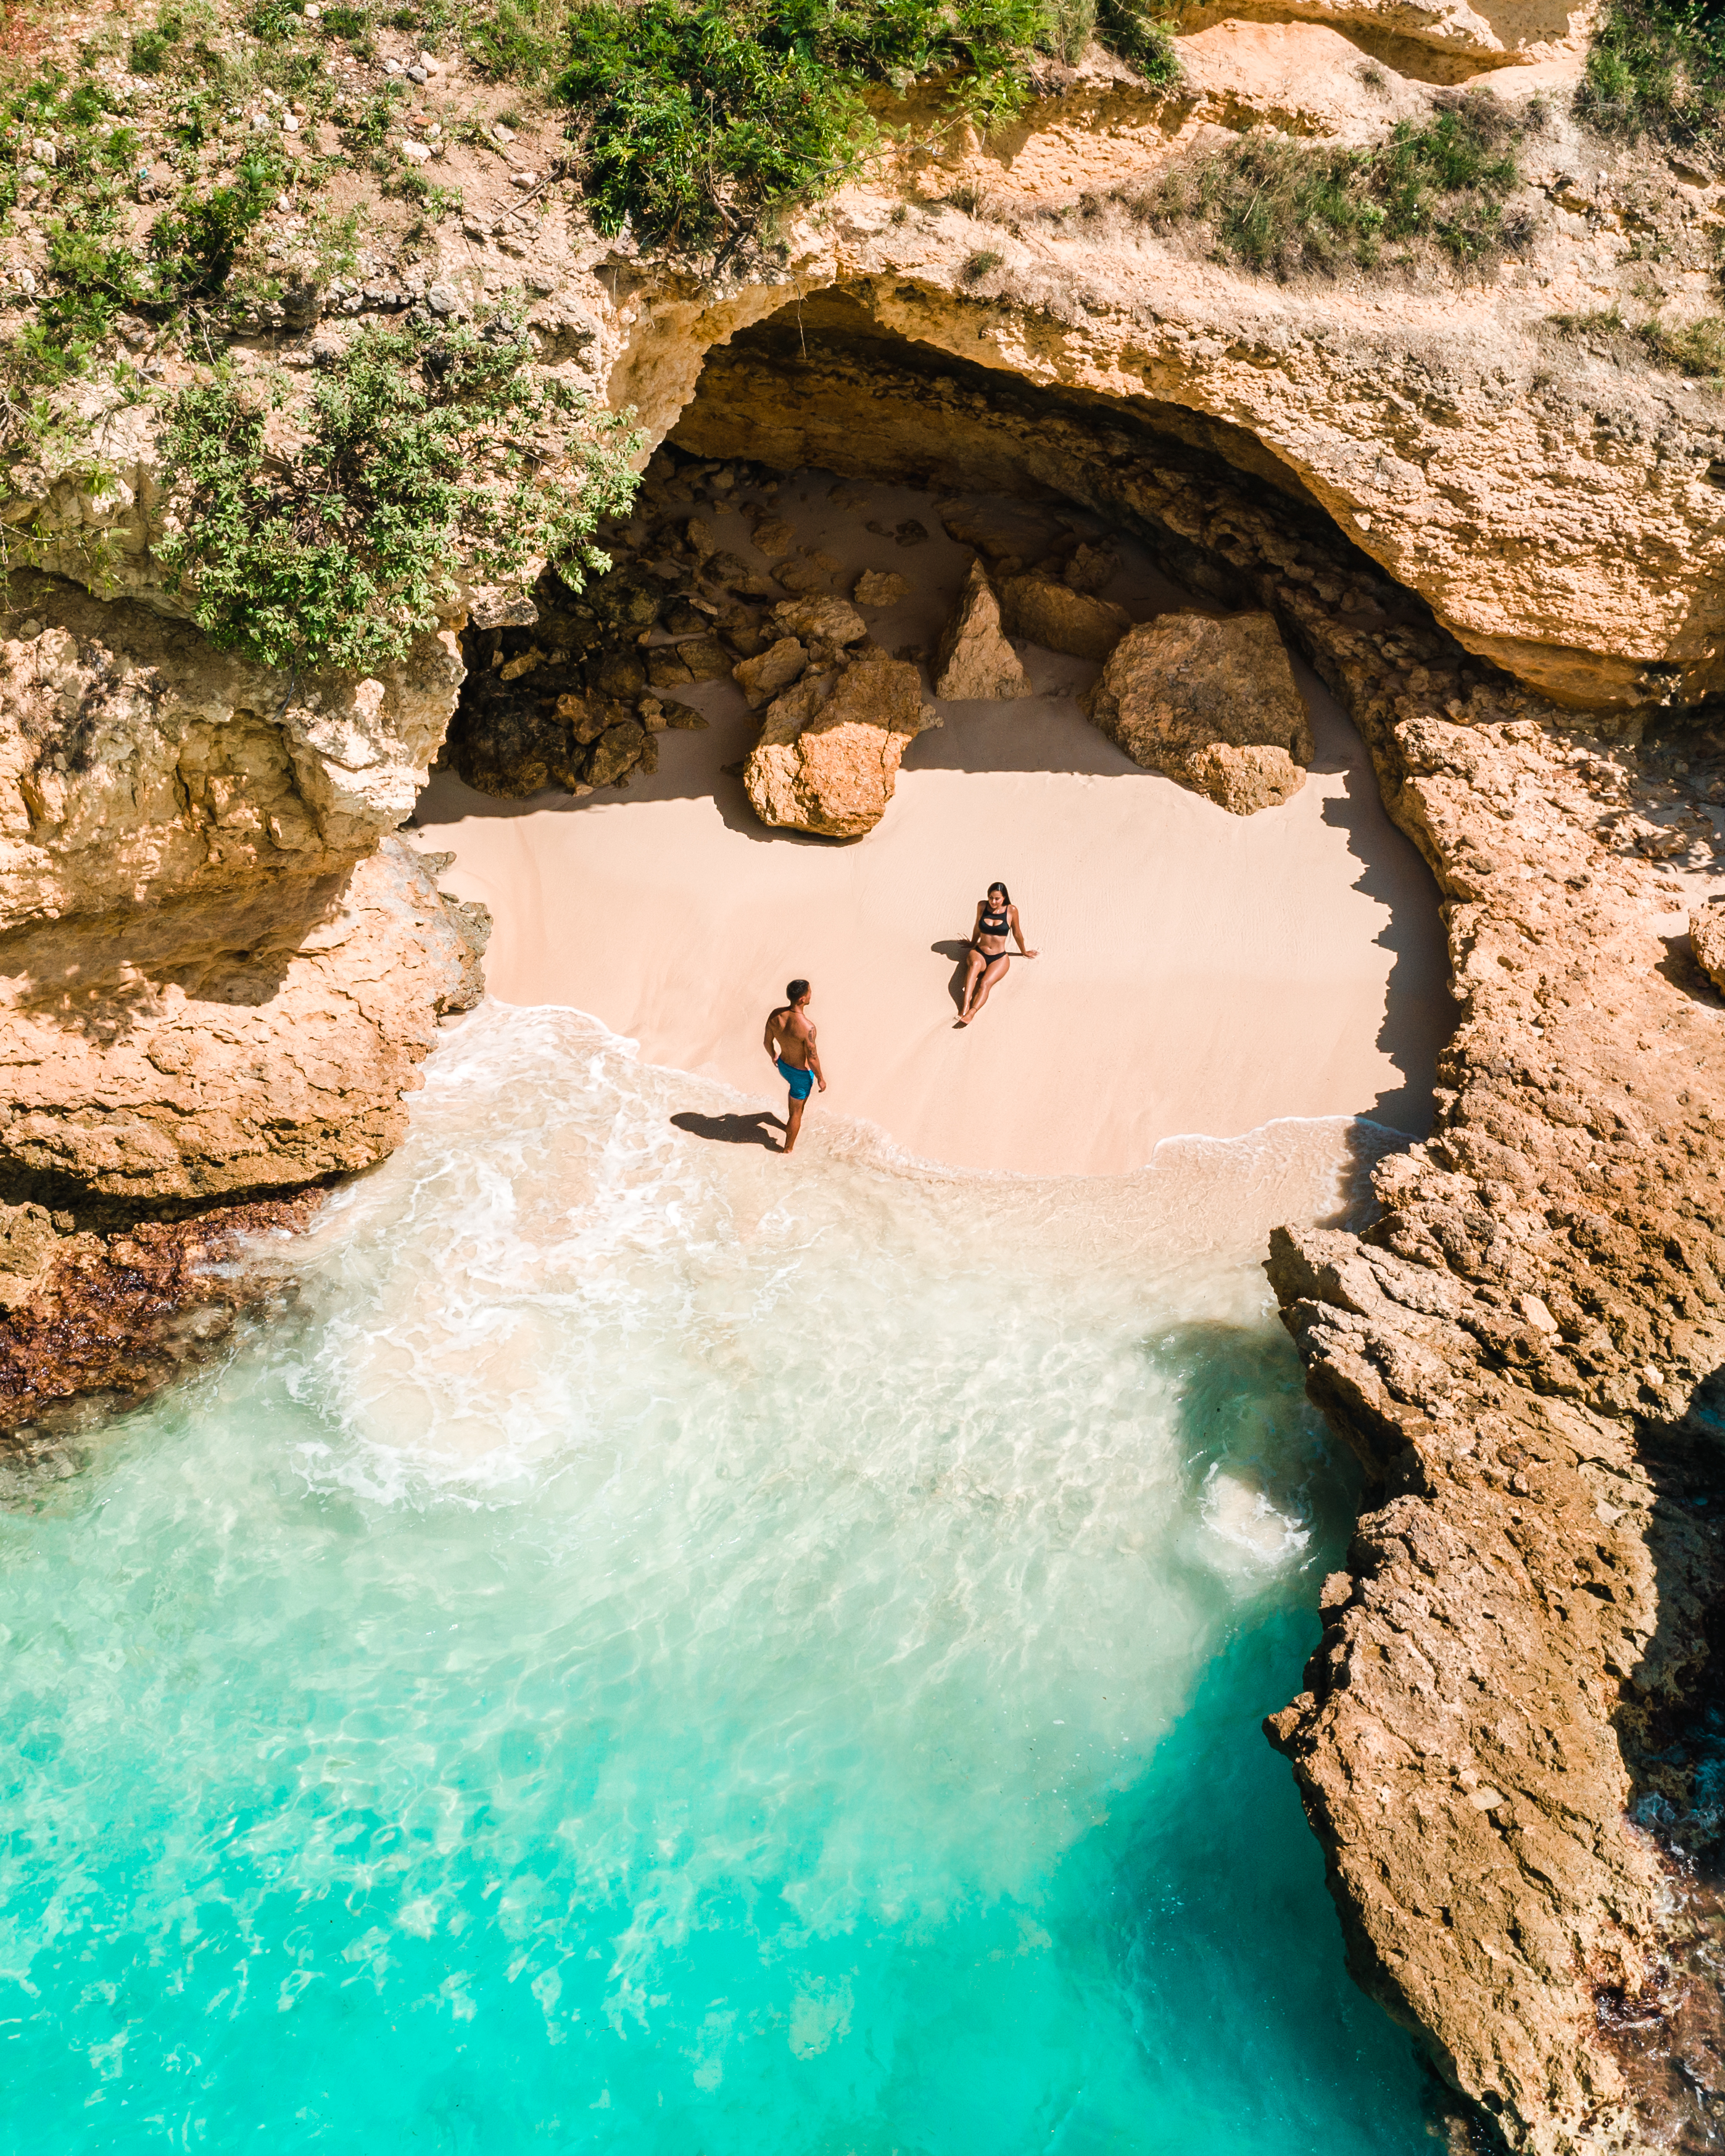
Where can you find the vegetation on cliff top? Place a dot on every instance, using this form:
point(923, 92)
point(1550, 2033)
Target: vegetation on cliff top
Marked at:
point(1657, 67)
point(326, 532)
point(1280, 205)
point(698, 120)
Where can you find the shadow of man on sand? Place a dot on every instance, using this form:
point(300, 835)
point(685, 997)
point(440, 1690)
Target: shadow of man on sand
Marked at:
point(762, 1128)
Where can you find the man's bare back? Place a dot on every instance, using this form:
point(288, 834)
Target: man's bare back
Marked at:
point(790, 1045)
point(789, 1035)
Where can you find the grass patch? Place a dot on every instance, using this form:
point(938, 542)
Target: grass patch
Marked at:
point(1281, 205)
point(327, 529)
point(1696, 348)
point(1657, 68)
point(700, 121)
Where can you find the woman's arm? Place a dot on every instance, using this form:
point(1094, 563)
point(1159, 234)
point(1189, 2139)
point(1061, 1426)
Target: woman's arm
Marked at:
point(1018, 931)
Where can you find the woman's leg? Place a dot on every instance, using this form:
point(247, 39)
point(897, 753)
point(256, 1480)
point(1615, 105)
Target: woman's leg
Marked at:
point(972, 967)
point(993, 975)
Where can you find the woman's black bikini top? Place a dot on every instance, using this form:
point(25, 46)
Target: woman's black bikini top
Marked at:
point(994, 924)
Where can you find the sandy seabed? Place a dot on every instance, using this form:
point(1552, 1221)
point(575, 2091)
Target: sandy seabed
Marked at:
point(1199, 973)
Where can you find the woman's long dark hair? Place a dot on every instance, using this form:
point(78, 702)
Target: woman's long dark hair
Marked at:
point(1001, 888)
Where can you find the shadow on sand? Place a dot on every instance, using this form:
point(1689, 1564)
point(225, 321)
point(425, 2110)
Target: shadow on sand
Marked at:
point(760, 1129)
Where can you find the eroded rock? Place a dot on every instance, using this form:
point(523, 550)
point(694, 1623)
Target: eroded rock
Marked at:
point(828, 754)
point(1058, 618)
point(975, 662)
point(1211, 703)
point(1706, 939)
point(880, 588)
point(763, 677)
point(252, 1041)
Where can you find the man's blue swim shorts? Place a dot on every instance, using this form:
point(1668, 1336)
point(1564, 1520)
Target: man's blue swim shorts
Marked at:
point(801, 1082)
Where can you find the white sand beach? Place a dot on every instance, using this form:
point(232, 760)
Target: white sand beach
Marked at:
point(1198, 972)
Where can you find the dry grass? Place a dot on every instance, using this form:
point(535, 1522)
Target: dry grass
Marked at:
point(1281, 207)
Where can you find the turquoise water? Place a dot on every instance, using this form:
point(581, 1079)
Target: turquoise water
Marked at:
point(670, 1654)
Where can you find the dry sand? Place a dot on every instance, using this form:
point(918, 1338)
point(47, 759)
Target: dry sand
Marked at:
point(1198, 972)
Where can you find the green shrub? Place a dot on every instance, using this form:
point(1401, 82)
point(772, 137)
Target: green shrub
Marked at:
point(193, 245)
point(151, 48)
point(1696, 347)
point(701, 120)
point(1657, 67)
point(1280, 205)
point(1130, 28)
point(408, 467)
point(699, 125)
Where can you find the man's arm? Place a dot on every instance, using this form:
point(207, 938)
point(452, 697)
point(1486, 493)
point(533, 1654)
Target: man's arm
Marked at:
point(820, 1077)
point(769, 1040)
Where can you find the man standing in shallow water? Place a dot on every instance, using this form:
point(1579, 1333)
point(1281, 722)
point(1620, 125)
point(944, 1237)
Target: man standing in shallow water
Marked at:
point(789, 1042)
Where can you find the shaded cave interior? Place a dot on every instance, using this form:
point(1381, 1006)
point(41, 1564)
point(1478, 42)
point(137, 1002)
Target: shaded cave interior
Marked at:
point(821, 385)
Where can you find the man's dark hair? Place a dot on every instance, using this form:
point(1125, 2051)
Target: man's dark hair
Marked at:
point(795, 990)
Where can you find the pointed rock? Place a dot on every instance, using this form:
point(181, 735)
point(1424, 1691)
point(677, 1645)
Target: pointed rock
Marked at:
point(975, 663)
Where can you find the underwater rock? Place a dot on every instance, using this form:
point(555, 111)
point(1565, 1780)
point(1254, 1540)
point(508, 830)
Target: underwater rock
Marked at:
point(1214, 704)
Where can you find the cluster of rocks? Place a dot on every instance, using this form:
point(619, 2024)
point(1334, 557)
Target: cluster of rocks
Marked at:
point(1211, 701)
point(575, 696)
point(839, 714)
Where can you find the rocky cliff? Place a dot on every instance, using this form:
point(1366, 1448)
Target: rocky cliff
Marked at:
point(1486, 503)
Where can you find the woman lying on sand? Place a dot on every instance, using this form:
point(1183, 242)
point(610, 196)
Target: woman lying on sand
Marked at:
point(989, 957)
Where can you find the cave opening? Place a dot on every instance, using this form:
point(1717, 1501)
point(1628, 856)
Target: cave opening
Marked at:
point(824, 461)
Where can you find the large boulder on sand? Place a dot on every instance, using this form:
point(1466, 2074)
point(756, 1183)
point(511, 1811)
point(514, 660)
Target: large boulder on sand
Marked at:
point(975, 663)
point(1212, 703)
point(1045, 611)
point(828, 754)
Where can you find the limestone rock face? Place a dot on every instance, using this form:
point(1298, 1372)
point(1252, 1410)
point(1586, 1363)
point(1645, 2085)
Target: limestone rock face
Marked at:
point(1243, 780)
point(975, 662)
point(1051, 614)
point(213, 983)
point(138, 762)
point(248, 1042)
point(828, 754)
point(29, 1247)
point(1706, 939)
point(1212, 703)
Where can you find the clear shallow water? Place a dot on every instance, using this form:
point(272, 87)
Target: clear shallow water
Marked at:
point(675, 1654)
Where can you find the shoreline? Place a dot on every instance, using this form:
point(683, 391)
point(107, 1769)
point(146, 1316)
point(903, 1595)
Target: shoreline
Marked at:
point(1200, 974)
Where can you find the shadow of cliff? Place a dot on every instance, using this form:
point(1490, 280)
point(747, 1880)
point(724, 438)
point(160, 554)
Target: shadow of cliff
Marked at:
point(100, 976)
